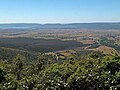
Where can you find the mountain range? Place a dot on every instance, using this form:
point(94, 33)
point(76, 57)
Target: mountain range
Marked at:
point(61, 26)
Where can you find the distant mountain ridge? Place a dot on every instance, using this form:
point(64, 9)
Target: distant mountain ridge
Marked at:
point(61, 26)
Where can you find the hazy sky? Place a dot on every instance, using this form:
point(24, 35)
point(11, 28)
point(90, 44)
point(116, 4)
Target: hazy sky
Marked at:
point(59, 11)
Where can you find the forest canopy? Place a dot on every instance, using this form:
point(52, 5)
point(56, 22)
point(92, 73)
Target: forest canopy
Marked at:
point(92, 72)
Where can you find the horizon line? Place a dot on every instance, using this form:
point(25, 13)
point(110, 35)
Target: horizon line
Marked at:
point(59, 23)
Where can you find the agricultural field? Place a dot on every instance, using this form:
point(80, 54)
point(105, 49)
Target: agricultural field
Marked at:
point(59, 39)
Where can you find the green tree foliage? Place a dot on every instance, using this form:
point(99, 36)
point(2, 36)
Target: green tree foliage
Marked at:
point(18, 66)
point(93, 72)
point(89, 74)
point(2, 75)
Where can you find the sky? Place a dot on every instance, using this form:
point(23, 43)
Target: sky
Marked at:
point(59, 11)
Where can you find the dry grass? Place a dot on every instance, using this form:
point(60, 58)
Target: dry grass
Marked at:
point(87, 41)
point(106, 50)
